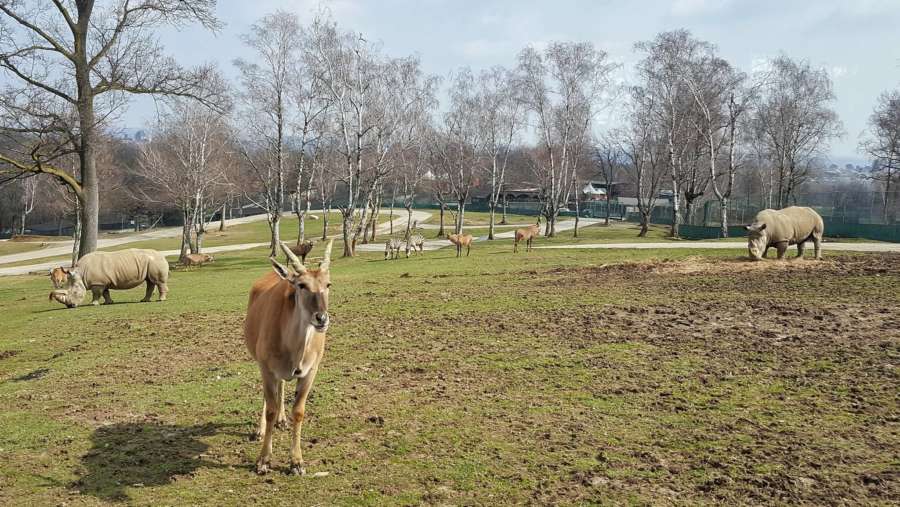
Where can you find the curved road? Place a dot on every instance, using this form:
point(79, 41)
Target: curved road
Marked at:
point(167, 232)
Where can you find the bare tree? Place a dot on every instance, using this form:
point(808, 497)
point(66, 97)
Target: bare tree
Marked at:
point(662, 74)
point(266, 109)
point(500, 116)
point(794, 121)
point(371, 98)
point(187, 159)
point(69, 68)
point(562, 87)
point(882, 145)
point(458, 141)
point(310, 126)
point(720, 99)
point(645, 146)
point(609, 160)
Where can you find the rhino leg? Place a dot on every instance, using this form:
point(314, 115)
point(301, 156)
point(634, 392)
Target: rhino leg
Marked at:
point(800, 246)
point(163, 290)
point(817, 245)
point(96, 292)
point(150, 287)
point(782, 249)
point(106, 299)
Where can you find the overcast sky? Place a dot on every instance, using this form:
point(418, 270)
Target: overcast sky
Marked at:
point(858, 41)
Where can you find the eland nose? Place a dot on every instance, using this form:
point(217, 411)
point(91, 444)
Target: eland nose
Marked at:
point(321, 318)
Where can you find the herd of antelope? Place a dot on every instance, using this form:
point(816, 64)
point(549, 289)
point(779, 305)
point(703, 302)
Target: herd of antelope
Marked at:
point(285, 326)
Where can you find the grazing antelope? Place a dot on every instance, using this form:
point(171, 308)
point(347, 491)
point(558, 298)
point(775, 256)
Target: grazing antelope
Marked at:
point(196, 259)
point(416, 243)
point(461, 240)
point(302, 249)
point(392, 248)
point(527, 235)
point(59, 277)
point(287, 318)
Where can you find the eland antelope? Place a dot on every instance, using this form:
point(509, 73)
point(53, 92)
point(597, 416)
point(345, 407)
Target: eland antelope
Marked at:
point(287, 318)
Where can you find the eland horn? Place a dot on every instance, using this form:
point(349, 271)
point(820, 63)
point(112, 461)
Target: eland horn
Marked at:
point(295, 262)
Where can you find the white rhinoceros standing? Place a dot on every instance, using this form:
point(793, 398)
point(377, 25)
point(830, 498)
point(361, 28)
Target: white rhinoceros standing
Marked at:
point(125, 269)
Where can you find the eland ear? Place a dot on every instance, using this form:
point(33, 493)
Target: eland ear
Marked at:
point(280, 269)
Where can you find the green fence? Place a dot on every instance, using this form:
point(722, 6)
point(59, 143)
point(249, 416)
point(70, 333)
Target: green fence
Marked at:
point(833, 229)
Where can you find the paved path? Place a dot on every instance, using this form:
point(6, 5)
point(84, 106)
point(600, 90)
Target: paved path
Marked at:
point(65, 247)
point(399, 222)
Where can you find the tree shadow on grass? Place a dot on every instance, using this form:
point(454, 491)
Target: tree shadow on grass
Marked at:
point(141, 455)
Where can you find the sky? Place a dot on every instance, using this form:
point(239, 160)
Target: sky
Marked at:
point(857, 41)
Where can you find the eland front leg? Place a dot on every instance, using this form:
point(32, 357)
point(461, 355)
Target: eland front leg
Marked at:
point(297, 414)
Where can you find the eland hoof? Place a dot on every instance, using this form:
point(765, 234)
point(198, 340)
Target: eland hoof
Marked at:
point(262, 467)
point(298, 469)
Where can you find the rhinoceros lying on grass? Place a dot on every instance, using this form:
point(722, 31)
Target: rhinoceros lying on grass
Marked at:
point(125, 269)
point(791, 226)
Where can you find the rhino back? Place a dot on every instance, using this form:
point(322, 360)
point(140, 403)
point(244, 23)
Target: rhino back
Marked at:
point(793, 224)
point(124, 269)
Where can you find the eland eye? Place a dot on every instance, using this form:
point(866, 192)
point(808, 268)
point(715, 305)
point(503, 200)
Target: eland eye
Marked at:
point(328, 285)
point(301, 286)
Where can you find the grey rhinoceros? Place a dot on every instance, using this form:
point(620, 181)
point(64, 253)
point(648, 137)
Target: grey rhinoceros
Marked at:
point(794, 225)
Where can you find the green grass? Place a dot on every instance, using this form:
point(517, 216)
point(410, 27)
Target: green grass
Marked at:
point(553, 377)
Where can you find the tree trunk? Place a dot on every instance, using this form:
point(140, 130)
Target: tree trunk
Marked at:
point(347, 223)
point(723, 203)
point(76, 233)
point(222, 216)
point(462, 216)
point(607, 206)
point(325, 210)
point(505, 203)
point(275, 228)
point(577, 212)
point(645, 221)
point(408, 221)
point(491, 226)
point(440, 233)
point(185, 234)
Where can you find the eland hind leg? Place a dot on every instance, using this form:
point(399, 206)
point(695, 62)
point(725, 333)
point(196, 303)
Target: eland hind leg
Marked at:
point(270, 393)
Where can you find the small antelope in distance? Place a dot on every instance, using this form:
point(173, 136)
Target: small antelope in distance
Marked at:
point(287, 318)
point(461, 240)
point(302, 249)
point(527, 235)
point(191, 260)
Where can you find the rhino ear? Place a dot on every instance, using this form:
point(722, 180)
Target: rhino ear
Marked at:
point(761, 227)
point(748, 227)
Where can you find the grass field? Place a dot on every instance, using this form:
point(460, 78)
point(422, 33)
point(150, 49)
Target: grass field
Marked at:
point(554, 377)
